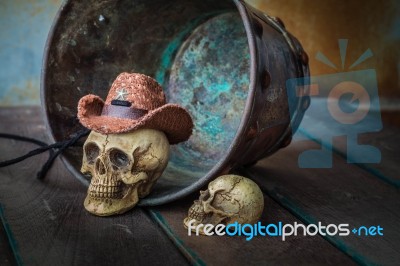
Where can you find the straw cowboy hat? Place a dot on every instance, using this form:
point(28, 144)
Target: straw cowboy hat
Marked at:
point(135, 101)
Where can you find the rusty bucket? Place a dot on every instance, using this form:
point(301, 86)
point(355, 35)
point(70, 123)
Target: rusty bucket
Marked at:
point(224, 61)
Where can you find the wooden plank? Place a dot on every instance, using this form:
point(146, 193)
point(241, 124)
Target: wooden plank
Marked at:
point(46, 220)
point(317, 126)
point(388, 142)
point(6, 255)
point(342, 194)
point(225, 250)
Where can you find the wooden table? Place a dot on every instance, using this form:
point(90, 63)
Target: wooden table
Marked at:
point(44, 222)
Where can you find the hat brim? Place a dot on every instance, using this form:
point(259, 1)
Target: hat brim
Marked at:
point(171, 119)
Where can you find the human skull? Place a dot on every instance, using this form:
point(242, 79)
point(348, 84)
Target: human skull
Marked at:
point(124, 168)
point(228, 199)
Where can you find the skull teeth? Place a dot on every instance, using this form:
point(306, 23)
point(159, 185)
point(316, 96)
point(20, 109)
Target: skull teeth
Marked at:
point(196, 213)
point(102, 191)
point(103, 182)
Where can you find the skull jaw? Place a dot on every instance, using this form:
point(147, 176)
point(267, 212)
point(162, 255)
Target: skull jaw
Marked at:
point(213, 219)
point(196, 216)
point(194, 224)
point(110, 206)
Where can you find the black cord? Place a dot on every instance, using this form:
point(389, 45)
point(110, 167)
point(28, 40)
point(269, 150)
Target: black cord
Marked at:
point(61, 146)
point(29, 154)
point(64, 145)
point(21, 138)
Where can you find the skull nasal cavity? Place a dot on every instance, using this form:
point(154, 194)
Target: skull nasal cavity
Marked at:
point(100, 169)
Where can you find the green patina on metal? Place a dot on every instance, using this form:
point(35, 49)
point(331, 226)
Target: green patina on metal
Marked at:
point(167, 58)
point(219, 80)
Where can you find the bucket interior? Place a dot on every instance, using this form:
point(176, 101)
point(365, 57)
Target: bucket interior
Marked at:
point(198, 51)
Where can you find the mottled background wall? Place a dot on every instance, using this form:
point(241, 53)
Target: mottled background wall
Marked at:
point(372, 24)
point(318, 24)
point(23, 31)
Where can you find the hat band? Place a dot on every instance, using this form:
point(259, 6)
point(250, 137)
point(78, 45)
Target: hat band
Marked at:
point(123, 112)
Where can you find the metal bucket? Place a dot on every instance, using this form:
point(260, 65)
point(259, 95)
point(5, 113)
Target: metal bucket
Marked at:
point(224, 61)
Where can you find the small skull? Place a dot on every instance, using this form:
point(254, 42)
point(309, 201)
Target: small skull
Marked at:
point(228, 199)
point(124, 168)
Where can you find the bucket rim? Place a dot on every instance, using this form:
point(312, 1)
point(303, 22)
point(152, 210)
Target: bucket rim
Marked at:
point(223, 162)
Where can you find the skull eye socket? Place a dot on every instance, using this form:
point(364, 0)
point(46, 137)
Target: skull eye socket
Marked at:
point(119, 158)
point(92, 151)
point(204, 195)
